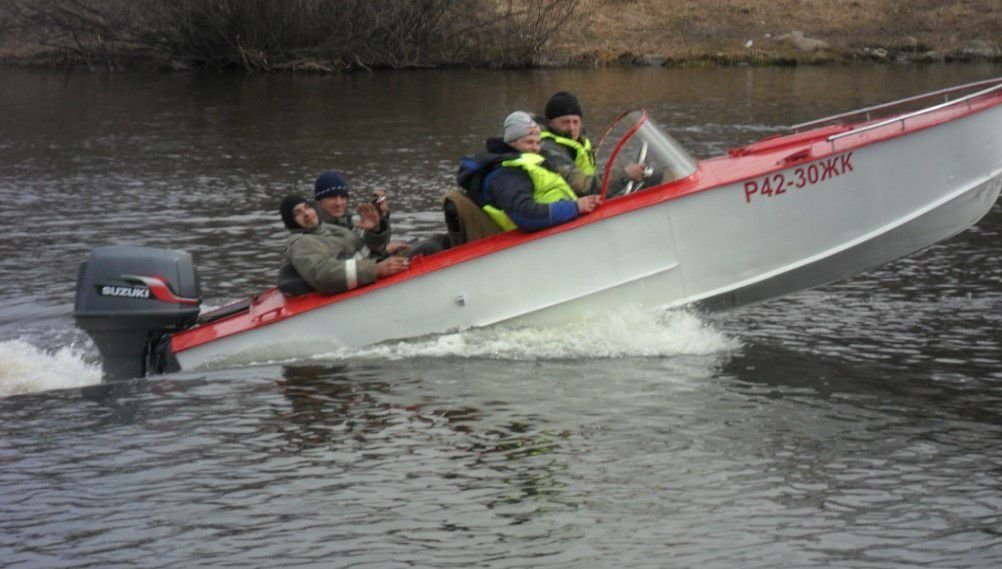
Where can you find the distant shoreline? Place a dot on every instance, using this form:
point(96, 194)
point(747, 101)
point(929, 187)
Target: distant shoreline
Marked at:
point(42, 58)
point(562, 34)
point(677, 33)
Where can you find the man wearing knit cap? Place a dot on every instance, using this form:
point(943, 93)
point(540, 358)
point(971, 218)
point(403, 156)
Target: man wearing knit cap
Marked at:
point(330, 193)
point(330, 258)
point(513, 185)
point(521, 132)
point(565, 145)
point(330, 196)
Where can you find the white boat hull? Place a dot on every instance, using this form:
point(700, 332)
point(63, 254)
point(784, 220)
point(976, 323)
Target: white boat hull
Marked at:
point(722, 247)
point(901, 196)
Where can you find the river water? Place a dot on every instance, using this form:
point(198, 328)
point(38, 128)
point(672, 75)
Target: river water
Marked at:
point(854, 425)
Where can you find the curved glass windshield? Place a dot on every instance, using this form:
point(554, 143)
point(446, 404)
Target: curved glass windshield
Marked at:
point(636, 154)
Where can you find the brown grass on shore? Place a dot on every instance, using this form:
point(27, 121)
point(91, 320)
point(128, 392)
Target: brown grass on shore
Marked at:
point(672, 32)
point(754, 31)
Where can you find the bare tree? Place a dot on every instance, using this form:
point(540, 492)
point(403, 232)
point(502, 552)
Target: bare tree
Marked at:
point(297, 34)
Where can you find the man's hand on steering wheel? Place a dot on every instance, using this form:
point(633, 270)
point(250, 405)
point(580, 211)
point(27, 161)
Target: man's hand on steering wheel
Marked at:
point(635, 172)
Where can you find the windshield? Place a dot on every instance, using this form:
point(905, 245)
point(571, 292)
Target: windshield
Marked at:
point(635, 154)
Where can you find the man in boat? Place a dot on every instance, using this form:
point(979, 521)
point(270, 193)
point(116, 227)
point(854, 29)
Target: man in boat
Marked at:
point(331, 258)
point(330, 199)
point(565, 145)
point(513, 185)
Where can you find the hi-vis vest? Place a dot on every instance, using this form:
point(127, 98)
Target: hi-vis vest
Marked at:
point(584, 158)
point(547, 187)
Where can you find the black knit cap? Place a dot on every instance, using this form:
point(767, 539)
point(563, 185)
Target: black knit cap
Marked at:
point(563, 103)
point(330, 183)
point(289, 204)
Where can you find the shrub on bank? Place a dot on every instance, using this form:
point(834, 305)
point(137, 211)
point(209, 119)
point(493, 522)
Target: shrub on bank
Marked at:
point(322, 35)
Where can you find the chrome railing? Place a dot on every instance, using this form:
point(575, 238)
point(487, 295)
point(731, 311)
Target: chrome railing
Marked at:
point(996, 82)
point(904, 117)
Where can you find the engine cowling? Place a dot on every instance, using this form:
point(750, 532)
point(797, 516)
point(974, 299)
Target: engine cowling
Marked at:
point(129, 297)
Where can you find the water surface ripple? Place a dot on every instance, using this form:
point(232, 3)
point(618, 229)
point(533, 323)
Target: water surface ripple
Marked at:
point(856, 425)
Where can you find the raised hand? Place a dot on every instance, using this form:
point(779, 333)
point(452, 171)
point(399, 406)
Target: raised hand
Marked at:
point(369, 217)
point(382, 202)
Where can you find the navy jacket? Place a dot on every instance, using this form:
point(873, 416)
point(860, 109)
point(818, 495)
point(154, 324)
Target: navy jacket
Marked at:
point(510, 189)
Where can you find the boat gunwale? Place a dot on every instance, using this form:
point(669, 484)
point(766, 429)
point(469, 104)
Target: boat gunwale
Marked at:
point(270, 306)
point(915, 114)
point(891, 104)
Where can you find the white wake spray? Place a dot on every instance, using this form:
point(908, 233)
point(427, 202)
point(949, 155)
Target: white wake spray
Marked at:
point(627, 332)
point(25, 368)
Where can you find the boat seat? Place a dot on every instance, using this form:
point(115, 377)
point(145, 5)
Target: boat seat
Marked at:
point(291, 283)
point(465, 221)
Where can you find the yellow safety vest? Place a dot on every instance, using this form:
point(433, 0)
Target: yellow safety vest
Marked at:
point(547, 187)
point(584, 158)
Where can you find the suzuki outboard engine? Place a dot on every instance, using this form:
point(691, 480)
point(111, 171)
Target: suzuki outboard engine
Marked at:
point(129, 297)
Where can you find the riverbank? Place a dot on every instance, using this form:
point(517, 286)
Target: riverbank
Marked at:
point(576, 33)
point(785, 32)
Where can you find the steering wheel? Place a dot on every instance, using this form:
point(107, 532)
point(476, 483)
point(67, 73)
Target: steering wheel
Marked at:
point(634, 185)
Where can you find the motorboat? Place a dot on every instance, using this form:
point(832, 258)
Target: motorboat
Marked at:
point(817, 203)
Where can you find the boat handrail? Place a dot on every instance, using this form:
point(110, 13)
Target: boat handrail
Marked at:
point(904, 117)
point(867, 110)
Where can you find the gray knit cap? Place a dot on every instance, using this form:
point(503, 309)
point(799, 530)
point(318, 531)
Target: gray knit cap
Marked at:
point(517, 125)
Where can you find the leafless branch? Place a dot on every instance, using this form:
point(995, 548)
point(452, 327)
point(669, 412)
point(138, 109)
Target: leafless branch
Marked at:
point(297, 34)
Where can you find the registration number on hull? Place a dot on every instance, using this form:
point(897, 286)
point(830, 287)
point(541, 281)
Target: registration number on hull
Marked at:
point(778, 184)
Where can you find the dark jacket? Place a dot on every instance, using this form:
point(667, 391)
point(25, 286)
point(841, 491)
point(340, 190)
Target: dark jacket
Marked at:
point(563, 160)
point(509, 189)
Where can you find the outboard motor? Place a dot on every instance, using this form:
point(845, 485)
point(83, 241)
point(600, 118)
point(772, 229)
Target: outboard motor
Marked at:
point(128, 297)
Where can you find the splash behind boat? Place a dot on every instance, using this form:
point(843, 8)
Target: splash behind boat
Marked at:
point(827, 200)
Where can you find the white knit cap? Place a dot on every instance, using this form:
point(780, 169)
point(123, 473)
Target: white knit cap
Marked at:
point(517, 125)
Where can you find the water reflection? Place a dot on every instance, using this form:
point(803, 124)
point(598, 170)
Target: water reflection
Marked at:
point(862, 445)
point(348, 412)
point(881, 386)
point(330, 407)
point(122, 403)
point(574, 462)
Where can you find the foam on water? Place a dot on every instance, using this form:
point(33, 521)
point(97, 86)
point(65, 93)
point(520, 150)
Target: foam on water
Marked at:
point(628, 332)
point(25, 368)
